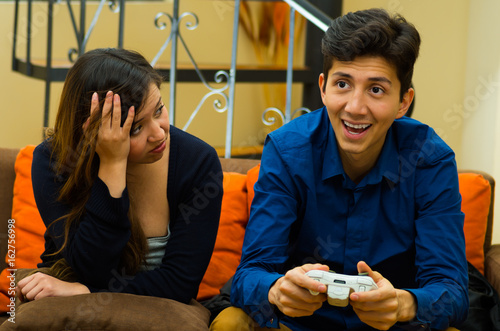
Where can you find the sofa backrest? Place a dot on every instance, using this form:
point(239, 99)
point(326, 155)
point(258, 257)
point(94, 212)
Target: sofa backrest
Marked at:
point(7, 177)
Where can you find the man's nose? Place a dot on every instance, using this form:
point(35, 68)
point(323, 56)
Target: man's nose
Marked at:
point(356, 104)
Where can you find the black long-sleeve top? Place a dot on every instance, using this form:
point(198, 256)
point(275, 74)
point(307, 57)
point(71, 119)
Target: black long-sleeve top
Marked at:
point(96, 242)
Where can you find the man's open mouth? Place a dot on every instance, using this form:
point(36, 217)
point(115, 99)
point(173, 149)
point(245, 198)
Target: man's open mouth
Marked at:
point(355, 128)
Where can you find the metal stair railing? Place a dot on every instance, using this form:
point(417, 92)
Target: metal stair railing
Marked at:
point(225, 94)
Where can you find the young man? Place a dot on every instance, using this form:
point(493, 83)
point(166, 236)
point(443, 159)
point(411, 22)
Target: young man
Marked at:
point(357, 187)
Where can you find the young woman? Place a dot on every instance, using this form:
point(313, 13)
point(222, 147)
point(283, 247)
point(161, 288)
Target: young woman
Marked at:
point(131, 204)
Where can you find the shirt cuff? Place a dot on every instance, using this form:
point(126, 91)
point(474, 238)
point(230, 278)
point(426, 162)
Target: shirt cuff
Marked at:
point(266, 314)
point(421, 320)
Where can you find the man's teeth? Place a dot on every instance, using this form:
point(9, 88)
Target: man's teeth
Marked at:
point(356, 126)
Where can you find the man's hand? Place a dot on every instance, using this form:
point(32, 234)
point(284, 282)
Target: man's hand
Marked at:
point(383, 307)
point(291, 293)
point(40, 285)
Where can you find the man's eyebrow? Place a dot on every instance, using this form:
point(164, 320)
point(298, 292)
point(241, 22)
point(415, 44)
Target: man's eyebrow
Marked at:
point(156, 107)
point(372, 79)
point(380, 79)
point(341, 74)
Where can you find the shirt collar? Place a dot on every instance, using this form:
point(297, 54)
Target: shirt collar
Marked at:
point(388, 162)
point(387, 165)
point(332, 165)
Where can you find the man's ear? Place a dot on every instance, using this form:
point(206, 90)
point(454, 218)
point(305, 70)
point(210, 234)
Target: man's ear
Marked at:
point(406, 102)
point(321, 83)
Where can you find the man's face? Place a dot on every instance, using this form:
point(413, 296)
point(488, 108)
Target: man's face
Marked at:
point(362, 98)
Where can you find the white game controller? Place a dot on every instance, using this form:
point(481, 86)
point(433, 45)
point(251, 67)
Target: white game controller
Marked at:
point(340, 286)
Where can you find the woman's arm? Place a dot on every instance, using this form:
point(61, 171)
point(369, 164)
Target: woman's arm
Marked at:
point(95, 242)
point(40, 285)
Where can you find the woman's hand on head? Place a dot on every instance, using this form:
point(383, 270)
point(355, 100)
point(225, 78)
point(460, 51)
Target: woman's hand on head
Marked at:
point(113, 142)
point(40, 285)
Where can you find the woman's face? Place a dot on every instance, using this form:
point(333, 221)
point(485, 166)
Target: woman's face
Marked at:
point(149, 133)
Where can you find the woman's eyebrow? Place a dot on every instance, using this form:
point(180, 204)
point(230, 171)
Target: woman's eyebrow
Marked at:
point(156, 107)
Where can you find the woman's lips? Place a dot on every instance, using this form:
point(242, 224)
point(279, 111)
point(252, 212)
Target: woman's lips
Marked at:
point(160, 148)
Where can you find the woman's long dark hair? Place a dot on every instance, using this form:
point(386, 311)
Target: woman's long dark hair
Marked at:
point(126, 73)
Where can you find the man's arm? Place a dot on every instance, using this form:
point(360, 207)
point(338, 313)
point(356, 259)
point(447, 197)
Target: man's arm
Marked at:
point(266, 244)
point(442, 293)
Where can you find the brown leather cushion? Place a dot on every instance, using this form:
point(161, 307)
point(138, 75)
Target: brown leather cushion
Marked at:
point(493, 266)
point(108, 311)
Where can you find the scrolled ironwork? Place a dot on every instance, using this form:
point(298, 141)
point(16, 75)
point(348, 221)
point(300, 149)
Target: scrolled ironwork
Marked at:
point(162, 26)
point(190, 25)
point(82, 39)
point(271, 120)
point(221, 76)
point(217, 105)
point(114, 6)
point(301, 109)
point(72, 52)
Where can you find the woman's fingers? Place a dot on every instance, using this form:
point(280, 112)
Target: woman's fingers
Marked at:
point(107, 110)
point(117, 112)
point(94, 105)
point(127, 126)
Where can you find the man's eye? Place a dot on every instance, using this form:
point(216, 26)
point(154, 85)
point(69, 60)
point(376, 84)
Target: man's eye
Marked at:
point(377, 90)
point(341, 84)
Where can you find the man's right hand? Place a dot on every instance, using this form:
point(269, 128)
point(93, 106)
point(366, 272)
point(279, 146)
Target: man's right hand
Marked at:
point(291, 295)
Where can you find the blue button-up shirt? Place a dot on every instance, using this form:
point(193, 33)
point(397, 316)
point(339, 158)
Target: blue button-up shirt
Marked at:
point(404, 219)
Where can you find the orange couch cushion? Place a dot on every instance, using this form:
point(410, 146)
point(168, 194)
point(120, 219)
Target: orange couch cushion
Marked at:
point(476, 198)
point(26, 238)
point(232, 224)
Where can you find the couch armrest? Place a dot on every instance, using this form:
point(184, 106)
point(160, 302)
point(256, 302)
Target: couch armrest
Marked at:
point(492, 266)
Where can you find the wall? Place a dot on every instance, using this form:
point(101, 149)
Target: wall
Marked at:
point(480, 111)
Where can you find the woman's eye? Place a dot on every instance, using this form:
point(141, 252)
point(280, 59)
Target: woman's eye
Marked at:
point(159, 110)
point(135, 130)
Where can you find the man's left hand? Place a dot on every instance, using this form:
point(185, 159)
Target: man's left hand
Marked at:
point(383, 307)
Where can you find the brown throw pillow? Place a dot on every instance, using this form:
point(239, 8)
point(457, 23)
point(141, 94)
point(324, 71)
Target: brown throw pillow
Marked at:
point(107, 311)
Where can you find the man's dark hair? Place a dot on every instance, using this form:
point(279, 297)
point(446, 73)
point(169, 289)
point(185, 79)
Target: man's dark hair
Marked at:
point(372, 32)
